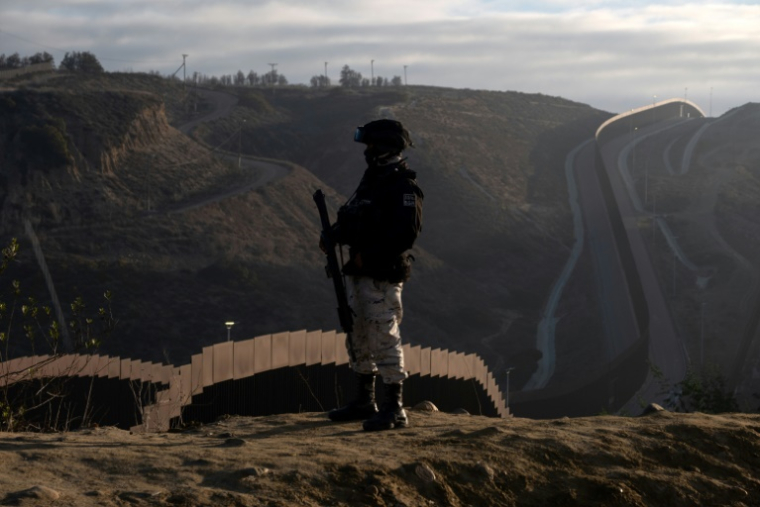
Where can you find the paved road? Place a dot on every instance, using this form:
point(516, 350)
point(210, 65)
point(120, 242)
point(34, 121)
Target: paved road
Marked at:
point(262, 172)
point(666, 349)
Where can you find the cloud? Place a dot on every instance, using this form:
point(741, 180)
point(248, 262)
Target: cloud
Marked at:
point(604, 53)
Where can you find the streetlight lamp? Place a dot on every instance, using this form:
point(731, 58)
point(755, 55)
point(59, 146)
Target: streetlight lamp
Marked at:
point(506, 394)
point(229, 325)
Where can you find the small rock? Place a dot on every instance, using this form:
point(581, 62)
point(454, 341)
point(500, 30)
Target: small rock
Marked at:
point(460, 411)
point(425, 406)
point(485, 470)
point(254, 472)
point(425, 473)
point(39, 492)
point(372, 490)
point(226, 434)
point(234, 442)
point(653, 408)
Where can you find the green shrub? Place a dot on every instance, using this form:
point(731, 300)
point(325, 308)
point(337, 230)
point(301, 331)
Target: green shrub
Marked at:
point(43, 146)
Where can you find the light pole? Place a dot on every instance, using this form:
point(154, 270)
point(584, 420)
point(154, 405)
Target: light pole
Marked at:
point(506, 394)
point(404, 75)
point(702, 334)
point(633, 162)
point(273, 74)
point(240, 153)
point(372, 71)
point(229, 325)
point(325, 73)
point(674, 271)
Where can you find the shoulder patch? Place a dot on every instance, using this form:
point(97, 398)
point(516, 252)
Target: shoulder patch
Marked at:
point(410, 200)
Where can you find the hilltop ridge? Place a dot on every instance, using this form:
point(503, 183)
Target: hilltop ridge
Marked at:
point(491, 164)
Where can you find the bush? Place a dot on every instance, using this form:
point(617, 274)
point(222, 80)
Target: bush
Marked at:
point(44, 145)
point(84, 62)
point(700, 391)
point(29, 401)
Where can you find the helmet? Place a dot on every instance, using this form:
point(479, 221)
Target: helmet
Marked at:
point(387, 135)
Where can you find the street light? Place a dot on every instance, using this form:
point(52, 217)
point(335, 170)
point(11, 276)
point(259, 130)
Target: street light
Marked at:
point(372, 71)
point(507, 392)
point(229, 325)
point(240, 153)
point(702, 334)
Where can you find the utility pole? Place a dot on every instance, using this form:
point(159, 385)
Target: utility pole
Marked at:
point(273, 65)
point(404, 75)
point(325, 73)
point(372, 71)
point(184, 69)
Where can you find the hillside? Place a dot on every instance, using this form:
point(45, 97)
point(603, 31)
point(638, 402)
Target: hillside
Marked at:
point(115, 200)
point(678, 460)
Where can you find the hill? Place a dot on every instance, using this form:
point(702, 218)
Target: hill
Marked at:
point(441, 460)
point(120, 208)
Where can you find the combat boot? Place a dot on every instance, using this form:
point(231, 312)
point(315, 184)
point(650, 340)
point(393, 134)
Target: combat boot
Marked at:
point(363, 406)
point(391, 414)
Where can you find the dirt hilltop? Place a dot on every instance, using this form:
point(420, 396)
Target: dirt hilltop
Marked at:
point(441, 460)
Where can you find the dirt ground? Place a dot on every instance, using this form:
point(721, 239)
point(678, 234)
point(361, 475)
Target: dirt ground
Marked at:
point(441, 460)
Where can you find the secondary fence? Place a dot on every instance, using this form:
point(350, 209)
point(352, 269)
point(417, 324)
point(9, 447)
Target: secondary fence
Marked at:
point(29, 69)
point(280, 373)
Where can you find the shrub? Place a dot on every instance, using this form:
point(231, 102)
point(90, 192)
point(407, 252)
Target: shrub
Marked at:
point(29, 401)
point(43, 145)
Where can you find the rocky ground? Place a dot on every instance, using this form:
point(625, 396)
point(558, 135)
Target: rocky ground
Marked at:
point(441, 460)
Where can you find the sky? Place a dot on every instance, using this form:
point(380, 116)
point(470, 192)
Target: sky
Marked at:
point(605, 53)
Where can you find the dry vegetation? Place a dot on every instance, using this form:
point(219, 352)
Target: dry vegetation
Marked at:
point(678, 460)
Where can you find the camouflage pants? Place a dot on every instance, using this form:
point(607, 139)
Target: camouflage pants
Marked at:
point(376, 336)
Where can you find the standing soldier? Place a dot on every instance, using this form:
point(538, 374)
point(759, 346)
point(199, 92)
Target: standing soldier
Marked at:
point(379, 223)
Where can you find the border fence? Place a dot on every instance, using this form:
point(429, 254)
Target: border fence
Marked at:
point(300, 371)
point(29, 69)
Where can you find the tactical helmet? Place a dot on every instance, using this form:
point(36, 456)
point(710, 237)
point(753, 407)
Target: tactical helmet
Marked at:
point(387, 135)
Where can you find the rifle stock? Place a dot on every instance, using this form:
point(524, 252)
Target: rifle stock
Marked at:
point(333, 268)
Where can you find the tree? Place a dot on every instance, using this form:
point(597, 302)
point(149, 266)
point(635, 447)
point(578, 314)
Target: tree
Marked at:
point(282, 80)
point(319, 81)
point(396, 81)
point(253, 78)
point(40, 58)
point(349, 77)
point(13, 61)
point(240, 78)
point(84, 62)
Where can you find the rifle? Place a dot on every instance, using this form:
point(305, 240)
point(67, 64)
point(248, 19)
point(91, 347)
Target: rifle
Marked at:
point(345, 314)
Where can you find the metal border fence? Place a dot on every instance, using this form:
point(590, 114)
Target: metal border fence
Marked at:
point(299, 371)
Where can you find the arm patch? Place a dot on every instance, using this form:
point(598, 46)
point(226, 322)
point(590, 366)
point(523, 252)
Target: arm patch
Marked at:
point(410, 200)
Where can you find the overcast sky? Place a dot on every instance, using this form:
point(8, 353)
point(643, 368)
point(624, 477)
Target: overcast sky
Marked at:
point(600, 52)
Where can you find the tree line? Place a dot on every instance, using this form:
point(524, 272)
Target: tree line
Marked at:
point(87, 62)
point(350, 78)
point(15, 61)
point(75, 61)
